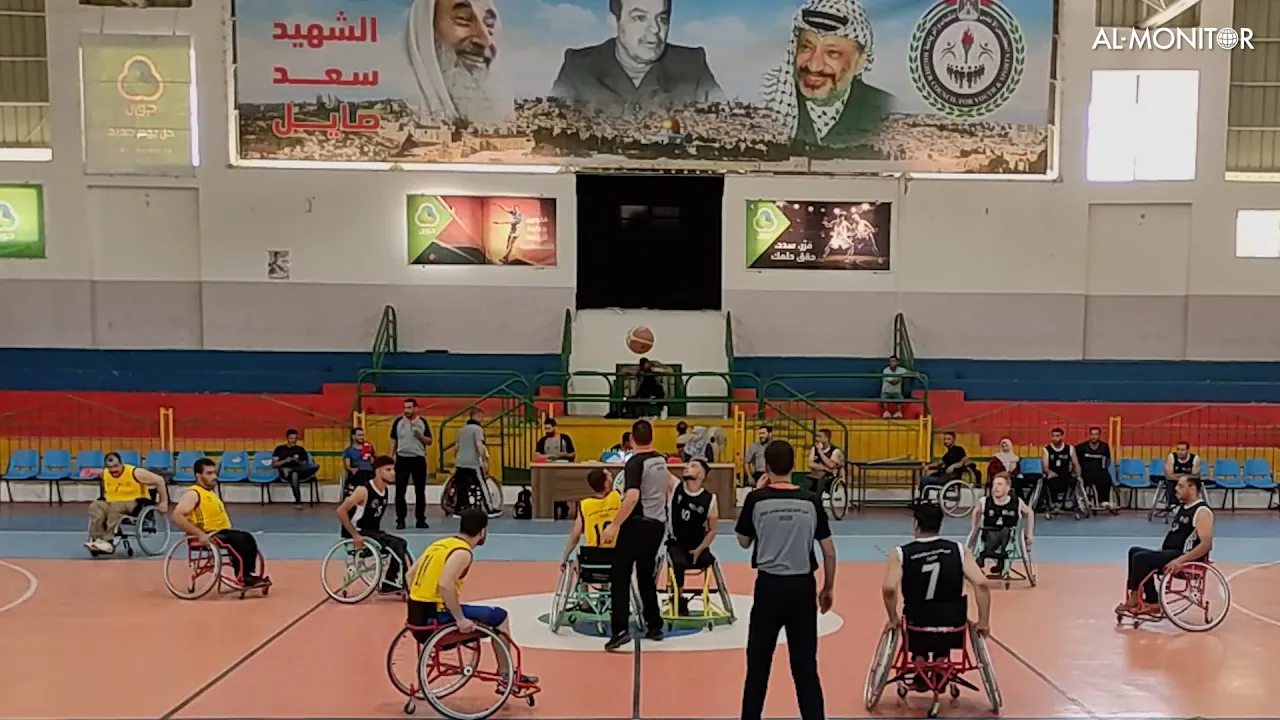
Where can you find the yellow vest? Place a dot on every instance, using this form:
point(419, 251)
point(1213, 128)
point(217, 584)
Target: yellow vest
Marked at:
point(124, 487)
point(425, 586)
point(210, 515)
point(597, 513)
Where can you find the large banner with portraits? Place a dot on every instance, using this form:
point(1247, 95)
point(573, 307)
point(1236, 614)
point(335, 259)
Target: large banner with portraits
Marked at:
point(942, 86)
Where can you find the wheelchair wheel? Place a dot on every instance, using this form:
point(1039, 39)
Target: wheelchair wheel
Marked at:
point(449, 497)
point(1197, 598)
point(349, 575)
point(560, 601)
point(726, 599)
point(838, 499)
point(1028, 564)
point(881, 666)
point(449, 661)
point(983, 657)
point(153, 531)
point(957, 498)
point(493, 494)
point(402, 665)
point(192, 571)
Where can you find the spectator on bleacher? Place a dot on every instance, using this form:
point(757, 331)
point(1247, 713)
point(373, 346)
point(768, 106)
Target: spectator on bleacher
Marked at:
point(951, 465)
point(825, 462)
point(357, 460)
point(1005, 461)
point(683, 436)
point(754, 459)
point(555, 445)
point(891, 388)
point(701, 445)
point(410, 437)
point(625, 446)
point(1095, 465)
point(123, 488)
point(293, 464)
point(648, 395)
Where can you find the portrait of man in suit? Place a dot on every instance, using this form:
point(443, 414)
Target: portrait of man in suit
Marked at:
point(637, 67)
point(453, 47)
point(818, 93)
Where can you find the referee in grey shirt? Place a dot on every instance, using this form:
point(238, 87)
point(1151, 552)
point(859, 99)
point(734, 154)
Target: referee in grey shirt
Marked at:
point(639, 526)
point(780, 522)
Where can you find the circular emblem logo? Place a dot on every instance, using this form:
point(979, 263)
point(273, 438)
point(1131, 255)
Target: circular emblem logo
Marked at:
point(8, 218)
point(967, 57)
point(427, 216)
point(764, 220)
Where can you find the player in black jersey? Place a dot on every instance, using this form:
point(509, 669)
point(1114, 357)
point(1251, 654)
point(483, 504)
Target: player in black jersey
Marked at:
point(932, 571)
point(694, 514)
point(997, 519)
point(1179, 464)
point(361, 517)
point(1061, 466)
point(1190, 537)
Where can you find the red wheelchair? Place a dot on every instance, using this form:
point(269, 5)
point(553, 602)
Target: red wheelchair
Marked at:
point(439, 668)
point(893, 663)
point(192, 570)
point(1196, 598)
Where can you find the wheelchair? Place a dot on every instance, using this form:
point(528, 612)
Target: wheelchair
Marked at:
point(583, 595)
point(438, 669)
point(893, 663)
point(706, 603)
point(361, 571)
point(1185, 597)
point(210, 565)
point(1015, 553)
point(146, 526)
point(1081, 500)
point(958, 496)
point(491, 502)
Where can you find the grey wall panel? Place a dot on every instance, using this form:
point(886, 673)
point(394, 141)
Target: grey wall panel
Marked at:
point(1233, 327)
point(147, 315)
point(780, 322)
point(46, 313)
point(1133, 327)
point(982, 326)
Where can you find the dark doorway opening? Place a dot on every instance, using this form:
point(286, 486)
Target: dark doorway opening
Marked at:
point(649, 241)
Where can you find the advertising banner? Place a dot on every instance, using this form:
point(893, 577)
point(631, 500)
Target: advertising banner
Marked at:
point(137, 103)
point(21, 221)
point(943, 86)
point(468, 230)
point(810, 235)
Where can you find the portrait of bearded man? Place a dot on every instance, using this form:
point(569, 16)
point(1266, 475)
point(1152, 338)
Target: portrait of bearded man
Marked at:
point(454, 49)
point(817, 94)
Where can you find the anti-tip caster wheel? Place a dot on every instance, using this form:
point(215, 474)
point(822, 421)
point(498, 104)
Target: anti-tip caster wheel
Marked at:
point(410, 708)
point(129, 549)
point(1007, 584)
point(1119, 620)
point(266, 591)
point(902, 690)
point(933, 709)
point(955, 692)
point(529, 699)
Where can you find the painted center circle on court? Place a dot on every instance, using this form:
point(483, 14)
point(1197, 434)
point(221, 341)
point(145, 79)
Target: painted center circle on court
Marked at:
point(529, 628)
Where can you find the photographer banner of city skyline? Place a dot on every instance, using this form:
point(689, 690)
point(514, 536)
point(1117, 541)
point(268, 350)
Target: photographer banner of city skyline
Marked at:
point(928, 86)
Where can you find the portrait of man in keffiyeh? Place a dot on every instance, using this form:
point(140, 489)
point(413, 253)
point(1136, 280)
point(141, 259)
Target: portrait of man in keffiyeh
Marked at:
point(818, 93)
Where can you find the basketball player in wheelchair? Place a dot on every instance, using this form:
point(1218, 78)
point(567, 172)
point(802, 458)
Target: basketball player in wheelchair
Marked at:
point(994, 533)
point(1061, 488)
point(825, 464)
point(918, 648)
point(583, 589)
point(694, 515)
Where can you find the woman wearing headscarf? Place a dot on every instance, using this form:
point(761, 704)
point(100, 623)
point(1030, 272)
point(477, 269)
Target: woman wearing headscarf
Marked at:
point(1005, 461)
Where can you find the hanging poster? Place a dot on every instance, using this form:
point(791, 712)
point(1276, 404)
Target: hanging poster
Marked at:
point(474, 230)
point(22, 222)
point(812, 235)
point(946, 86)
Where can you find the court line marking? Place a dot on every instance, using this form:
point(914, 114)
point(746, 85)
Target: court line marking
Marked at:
point(32, 585)
point(243, 659)
point(1079, 704)
point(1242, 608)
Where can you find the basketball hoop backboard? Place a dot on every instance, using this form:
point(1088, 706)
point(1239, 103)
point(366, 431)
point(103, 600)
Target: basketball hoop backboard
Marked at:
point(1164, 11)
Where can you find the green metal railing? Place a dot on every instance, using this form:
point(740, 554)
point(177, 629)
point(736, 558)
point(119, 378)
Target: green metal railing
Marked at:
point(513, 429)
point(728, 339)
point(902, 342)
point(616, 385)
point(566, 349)
point(387, 338)
point(782, 383)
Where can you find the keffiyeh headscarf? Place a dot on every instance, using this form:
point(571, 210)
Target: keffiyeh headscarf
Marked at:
point(842, 18)
point(436, 101)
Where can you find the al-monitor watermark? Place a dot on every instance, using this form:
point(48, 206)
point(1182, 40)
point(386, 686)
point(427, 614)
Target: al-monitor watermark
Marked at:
point(1165, 38)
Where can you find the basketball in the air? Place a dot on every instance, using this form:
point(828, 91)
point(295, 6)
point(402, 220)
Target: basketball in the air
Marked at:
point(640, 340)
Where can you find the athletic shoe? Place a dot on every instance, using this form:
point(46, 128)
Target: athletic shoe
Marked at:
point(617, 641)
point(654, 634)
point(495, 513)
point(422, 525)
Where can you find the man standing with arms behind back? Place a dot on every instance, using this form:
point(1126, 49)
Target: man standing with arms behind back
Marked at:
point(639, 527)
point(780, 522)
point(410, 438)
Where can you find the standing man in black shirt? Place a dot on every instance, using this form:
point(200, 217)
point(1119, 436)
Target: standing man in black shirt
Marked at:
point(932, 571)
point(410, 438)
point(694, 514)
point(638, 528)
point(1190, 537)
point(780, 523)
point(1094, 457)
point(1061, 467)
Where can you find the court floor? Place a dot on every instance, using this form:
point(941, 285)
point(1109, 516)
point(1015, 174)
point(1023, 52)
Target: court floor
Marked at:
point(102, 639)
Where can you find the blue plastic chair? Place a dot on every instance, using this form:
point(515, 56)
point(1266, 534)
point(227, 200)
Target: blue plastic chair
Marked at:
point(55, 467)
point(130, 457)
point(1227, 475)
point(263, 473)
point(1131, 475)
point(159, 461)
point(24, 465)
point(1030, 466)
point(233, 467)
point(1155, 469)
point(1258, 476)
point(184, 472)
point(87, 468)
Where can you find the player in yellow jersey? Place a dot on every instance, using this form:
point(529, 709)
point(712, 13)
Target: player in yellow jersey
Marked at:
point(594, 515)
point(201, 515)
point(123, 487)
point(435, 592)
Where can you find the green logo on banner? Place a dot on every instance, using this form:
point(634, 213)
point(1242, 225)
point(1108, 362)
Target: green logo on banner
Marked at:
point(429, 216)
point(21, 221)
point(765, 223)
